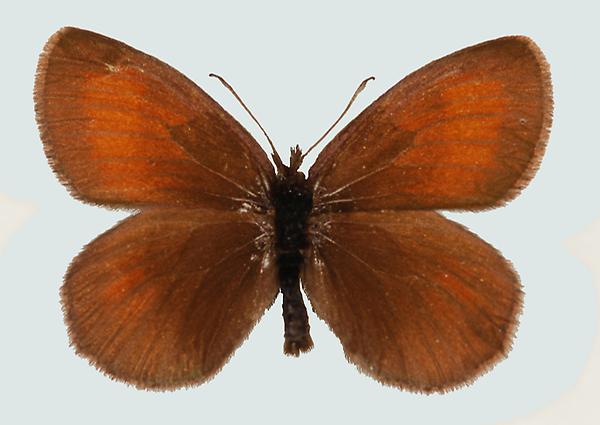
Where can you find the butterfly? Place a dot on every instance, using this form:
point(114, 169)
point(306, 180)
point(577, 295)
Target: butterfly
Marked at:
point(163, 299)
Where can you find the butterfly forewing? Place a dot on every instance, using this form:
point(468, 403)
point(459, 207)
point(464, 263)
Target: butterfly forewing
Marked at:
point(464, 132)
point(416, 300)
point(163, 299)
point(122, 128)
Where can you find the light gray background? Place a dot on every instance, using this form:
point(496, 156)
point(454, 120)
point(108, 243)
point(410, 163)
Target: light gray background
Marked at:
point(296, 67)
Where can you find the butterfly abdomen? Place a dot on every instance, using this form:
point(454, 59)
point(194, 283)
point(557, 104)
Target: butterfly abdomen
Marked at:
point(292, 198)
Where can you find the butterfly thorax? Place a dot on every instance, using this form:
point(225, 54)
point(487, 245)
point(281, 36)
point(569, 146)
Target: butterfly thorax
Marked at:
point(292, 198)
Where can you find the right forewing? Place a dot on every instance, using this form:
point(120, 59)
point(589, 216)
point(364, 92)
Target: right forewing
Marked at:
point(465, 132)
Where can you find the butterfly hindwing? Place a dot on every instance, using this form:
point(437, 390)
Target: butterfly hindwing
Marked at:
point(417, 301)
point(163, 299)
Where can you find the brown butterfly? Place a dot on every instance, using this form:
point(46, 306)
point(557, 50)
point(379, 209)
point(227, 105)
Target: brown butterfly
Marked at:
point(163, 299)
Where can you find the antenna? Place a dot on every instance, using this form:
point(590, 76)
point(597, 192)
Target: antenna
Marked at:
point(275, 155)
point(360, 88)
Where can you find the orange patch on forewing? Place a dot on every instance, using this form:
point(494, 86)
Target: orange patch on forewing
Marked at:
point(464, 129)
point(473, 90)
point(450, 155)
point(457, 151)
point(124, 125)
point(131, 88)
point(451, 183)
point(474, 98)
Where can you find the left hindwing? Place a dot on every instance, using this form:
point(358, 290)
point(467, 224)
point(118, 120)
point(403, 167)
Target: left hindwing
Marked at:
point(163, 299)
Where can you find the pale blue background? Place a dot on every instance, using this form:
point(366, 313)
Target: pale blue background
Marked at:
point(296, 67)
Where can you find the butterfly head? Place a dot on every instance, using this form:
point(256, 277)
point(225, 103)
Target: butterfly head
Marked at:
point(290, 171)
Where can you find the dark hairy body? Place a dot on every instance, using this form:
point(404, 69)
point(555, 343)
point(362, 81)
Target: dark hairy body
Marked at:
point(293, 200)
